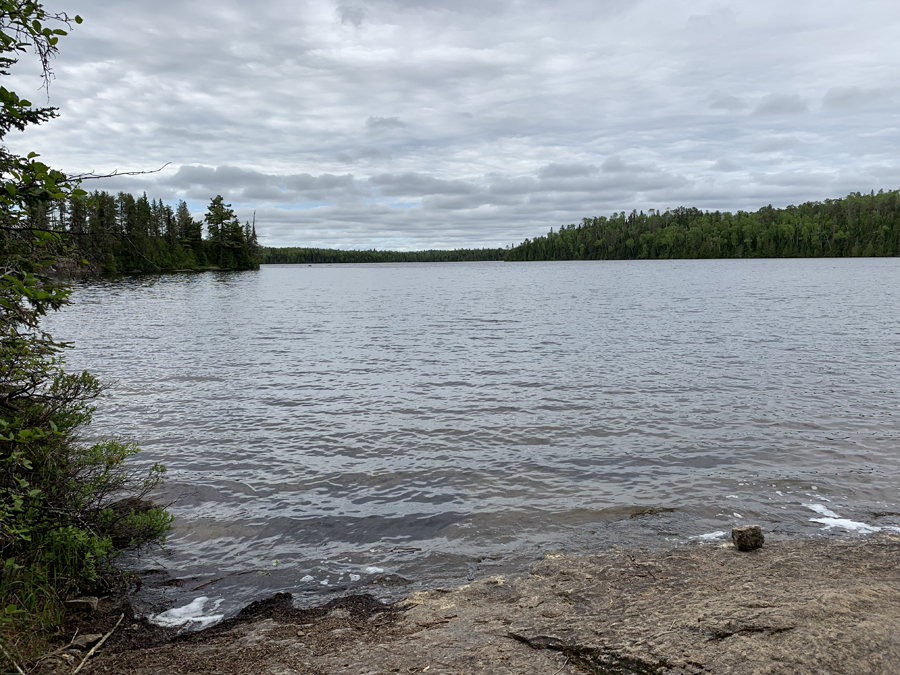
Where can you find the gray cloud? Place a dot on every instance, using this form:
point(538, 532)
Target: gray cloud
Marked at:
point(352, 15)
point(857, 98)
point(729, 103)
point(243, 185)
point(781, 104)
point(725, 165)
point(365, 123)
point(418, 184)
point(775, 144)
point(385, 123)
point(616, 165)
point(566, 170)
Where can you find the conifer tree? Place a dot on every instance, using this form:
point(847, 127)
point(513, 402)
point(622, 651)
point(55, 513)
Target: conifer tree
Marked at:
point(219, 217)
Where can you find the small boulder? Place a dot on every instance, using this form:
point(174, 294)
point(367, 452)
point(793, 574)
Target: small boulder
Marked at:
point(86, 604)
point(86, 640)
point(747, 538)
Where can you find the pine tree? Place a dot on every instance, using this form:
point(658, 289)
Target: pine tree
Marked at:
point(219, 216)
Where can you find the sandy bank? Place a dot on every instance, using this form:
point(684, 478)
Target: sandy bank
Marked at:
point(814, 606)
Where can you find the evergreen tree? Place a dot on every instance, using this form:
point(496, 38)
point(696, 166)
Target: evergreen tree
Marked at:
point(219, 218)
point(191, 233)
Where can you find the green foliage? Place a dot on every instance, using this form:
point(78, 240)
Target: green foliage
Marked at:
point(857, 225)
point(59, 519)
point(293, 255)
point(66, 509)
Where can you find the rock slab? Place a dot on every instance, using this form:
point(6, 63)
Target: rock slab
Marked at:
point(811, 607)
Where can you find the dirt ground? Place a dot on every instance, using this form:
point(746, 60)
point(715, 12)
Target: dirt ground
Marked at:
point(817, 606)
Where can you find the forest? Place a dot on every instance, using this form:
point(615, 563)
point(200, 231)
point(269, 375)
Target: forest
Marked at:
point(293, 255)
point(857, 225)
point(121, 233)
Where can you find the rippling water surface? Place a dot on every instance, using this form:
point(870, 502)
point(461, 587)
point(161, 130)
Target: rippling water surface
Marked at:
point(390, 427)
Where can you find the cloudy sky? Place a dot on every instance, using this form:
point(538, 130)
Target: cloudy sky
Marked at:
point(465, 123)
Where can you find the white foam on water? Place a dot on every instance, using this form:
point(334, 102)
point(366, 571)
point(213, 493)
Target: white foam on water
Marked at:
point(731, 497)
point(822, 509)
point(849, 525)
point(710, 536)
point(831, 519)
point(190, 613)
point(374, 570)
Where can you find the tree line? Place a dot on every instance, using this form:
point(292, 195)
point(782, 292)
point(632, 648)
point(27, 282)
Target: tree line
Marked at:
point(296, 255)
point(857, 225)
point(121, 233)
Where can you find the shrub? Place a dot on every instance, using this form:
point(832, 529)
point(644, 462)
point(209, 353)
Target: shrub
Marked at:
point(66, 508)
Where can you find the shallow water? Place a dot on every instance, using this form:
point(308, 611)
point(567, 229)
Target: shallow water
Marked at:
point(440, 422)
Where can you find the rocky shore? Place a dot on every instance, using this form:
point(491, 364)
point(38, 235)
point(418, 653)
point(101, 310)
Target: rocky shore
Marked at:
point(815, 606)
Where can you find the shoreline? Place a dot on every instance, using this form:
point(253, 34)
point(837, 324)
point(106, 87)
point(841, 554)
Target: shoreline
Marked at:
point(800, 606)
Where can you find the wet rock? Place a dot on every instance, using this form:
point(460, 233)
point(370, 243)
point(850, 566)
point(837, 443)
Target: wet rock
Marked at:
point(86, 640)
point(748, 537)
point(86, 604)
point(794, 608)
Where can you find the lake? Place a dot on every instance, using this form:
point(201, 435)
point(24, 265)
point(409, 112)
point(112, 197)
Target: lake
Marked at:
point(387, 428)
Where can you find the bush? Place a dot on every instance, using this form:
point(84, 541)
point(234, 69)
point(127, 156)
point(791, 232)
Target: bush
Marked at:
point(66, 509)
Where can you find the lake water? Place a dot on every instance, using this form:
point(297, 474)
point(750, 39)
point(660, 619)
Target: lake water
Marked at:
point(386, 428)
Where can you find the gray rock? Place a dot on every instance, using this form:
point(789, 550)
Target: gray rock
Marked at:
point(748, 538)
point(342, 631)
point(803, 607)
point(86, 604)
point(86, 640)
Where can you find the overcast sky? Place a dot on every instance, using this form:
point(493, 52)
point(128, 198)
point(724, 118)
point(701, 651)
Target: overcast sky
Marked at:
point(468, 123)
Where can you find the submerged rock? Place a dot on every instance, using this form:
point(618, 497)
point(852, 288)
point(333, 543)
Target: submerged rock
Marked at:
point(748, 537)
